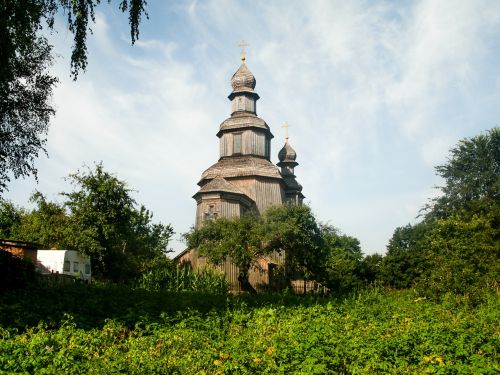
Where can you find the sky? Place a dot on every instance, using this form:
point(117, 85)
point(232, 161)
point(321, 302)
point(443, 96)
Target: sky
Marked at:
point(375, 93)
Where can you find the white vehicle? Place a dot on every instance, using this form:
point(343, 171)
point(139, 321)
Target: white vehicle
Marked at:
point(66, 262)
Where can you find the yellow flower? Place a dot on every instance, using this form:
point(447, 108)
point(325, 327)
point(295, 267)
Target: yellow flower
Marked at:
point(270, 351)
point(217, 362)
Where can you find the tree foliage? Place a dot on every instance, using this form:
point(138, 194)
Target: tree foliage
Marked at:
point(406, 256)
point(108, 226)
point(463, 255)
point(234, 239)
point(293, 229)
point(455, 248)
point(311, 251)
point(99, 218)
point(26, 85)
point(343, 262)
point(48, 224)
point(471, 176)
point(370, 268)
point(10, 217)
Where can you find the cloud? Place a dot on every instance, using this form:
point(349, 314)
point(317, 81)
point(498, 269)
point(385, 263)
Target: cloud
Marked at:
point(375, 93)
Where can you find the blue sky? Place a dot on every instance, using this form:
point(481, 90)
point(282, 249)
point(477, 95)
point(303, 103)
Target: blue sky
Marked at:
point(375, 93)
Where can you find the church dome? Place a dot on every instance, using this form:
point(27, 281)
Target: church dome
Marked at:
point(243, 79)
point(287, 153)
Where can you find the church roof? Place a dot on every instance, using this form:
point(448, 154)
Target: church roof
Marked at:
point(241, 120)
point(241, 166)
point(220, 184)
point(287, 153)
point(292, 184)
point(243, 79)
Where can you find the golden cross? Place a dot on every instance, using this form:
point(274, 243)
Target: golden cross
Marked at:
point(243, 44)
point(286, 126)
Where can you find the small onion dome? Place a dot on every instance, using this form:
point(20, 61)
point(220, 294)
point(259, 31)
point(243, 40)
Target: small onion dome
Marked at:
point(287, 153)
point(243, 79)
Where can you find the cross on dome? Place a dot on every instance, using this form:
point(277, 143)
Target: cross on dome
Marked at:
point(243, 44)
point(286, 126)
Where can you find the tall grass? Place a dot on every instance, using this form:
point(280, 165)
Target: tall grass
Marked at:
point(184, 279)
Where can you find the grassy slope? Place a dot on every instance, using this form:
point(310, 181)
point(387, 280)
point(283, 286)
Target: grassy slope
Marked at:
point(114, 329)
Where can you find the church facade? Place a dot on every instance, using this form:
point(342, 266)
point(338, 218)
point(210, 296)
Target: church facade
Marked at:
point(244, 178)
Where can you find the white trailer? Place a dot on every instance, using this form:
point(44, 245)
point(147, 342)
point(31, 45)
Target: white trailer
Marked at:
point(66, 262)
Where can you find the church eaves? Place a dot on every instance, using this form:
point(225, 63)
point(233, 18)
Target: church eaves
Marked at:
point(241, 166)
point(220, 184)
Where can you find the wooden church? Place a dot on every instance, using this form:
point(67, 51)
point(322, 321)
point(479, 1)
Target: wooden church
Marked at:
point(244, 178)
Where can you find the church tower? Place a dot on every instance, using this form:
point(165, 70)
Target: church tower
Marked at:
point(293, 190)
point(244, 178)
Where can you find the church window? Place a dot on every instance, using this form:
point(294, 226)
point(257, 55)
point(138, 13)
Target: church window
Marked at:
point(76, 267)
point(67, 265)
point(237, 143)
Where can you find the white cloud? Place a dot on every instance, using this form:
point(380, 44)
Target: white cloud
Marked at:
point(375, 93)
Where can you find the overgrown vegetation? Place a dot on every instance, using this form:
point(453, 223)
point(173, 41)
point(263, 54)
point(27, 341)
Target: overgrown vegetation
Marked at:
point(106, 329)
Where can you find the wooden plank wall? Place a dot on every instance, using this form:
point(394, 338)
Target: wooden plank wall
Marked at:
point(268, 192)
point(252, 143)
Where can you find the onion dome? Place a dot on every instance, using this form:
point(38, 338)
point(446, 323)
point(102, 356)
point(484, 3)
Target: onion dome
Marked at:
point(243, 79)
point(287, 153)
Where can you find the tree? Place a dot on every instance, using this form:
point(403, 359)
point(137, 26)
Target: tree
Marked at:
point(236, 239)
point(406, 256)
point(465, 255)
point(293, 229)
point(48, 224)
point(472, 177)
point(98, 218)
point(343, 261)
point(10, 217)
point(370, 268)
point(288, 229)
point(455, 247)
point(107, 225)
point(25, 82)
